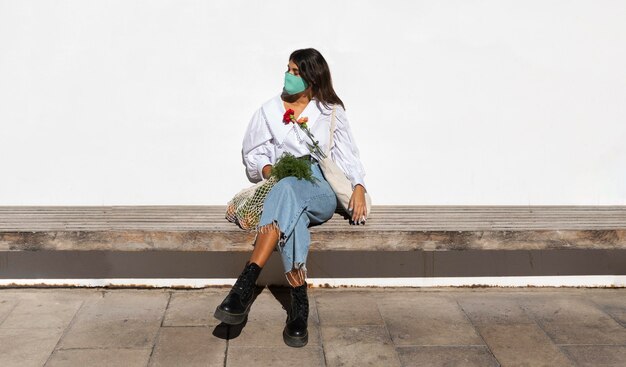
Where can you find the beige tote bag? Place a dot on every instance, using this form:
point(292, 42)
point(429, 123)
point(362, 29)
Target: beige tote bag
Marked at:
point(336, 178)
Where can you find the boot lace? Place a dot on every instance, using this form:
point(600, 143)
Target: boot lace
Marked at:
point(244, 285)
point(300, 302)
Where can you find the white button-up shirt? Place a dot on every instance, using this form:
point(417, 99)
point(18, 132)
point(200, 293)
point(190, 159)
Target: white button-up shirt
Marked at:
point(268, 137)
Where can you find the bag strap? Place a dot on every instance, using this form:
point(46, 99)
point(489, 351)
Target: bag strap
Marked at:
point(332, 131)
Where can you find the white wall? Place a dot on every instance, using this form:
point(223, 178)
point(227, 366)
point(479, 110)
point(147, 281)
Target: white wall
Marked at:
point(451, 102)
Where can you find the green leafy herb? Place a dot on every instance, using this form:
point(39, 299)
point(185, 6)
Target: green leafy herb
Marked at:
point(288, 165)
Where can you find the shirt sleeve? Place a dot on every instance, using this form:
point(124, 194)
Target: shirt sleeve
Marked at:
point(345, 151)
point(257, 147)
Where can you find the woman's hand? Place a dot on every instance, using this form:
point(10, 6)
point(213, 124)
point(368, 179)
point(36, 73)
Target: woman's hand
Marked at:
point(357, 204)
point(267, 171)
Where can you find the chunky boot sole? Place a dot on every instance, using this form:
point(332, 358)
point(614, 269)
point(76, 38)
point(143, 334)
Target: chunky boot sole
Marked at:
point(294, 341)
point(231, 318)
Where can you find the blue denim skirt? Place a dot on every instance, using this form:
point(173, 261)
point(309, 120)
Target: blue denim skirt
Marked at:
point(291, 206)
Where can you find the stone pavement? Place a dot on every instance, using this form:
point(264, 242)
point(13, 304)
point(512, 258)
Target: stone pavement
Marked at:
point(347, 326)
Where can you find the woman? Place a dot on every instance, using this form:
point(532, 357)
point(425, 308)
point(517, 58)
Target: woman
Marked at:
point(292, 204)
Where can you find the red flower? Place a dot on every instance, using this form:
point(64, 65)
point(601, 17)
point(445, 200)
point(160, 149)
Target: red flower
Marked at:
point(287, 116)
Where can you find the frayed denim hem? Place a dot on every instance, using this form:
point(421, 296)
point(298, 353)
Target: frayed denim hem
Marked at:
point(297, 276)
point(289, 208)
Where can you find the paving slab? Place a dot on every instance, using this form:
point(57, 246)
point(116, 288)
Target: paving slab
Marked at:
point(349, 308)
point(359, 345)
point(446, 356)
point(193, 309)
point(572, 319)
point(347, 326)
point(496, 309)
point(188, 346)
point(6, 306)
point(613, 303)
point(282, 356)
point(266, 333)
point(426, 319)
point(27, 347)
point(522, 344)
point(273, 303)
point(100, 357)
point(119, 319)
point(49, 293)
point(597, 355)
point(42, 313)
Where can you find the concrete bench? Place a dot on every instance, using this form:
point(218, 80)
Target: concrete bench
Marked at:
point(412, 241)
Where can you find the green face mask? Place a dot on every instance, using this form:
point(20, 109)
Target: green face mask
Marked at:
point(294, 84)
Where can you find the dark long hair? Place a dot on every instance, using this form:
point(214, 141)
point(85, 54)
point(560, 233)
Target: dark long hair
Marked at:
point(315, 71)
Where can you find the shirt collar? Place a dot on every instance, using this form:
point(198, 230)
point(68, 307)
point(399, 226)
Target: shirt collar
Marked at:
point(274, 110)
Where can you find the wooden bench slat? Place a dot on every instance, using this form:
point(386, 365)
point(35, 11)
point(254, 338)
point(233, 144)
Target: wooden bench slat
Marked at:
point(383, 218)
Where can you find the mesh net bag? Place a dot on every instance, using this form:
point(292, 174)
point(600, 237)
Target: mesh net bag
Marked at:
point(245, 208)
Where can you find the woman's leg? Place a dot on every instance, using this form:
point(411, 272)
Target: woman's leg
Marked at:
point(295, 250)
point(289, 208)
point(317, 207)
point(282, 207)
point(264, 246)
point(237, 303)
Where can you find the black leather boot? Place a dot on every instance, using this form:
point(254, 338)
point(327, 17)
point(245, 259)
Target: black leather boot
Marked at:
point(295, 333)
point(236, 305)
